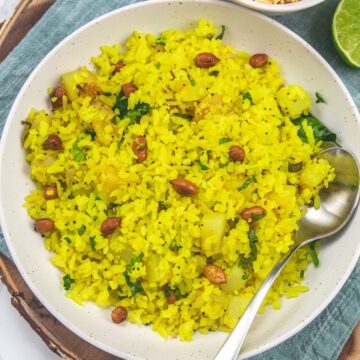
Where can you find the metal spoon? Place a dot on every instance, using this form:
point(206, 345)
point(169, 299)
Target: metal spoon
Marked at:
point(338, 203)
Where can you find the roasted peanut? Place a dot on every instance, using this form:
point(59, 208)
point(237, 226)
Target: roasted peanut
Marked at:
point(184, 187)
point(44, 225)
point(53, 142)
point(119, 65)
point(119, 314)
point(206, 60)
point(50, 192)
point(214, 274)
point(236, 153)
point(128, 89)
point(171, 298)
point(58, 92)
point(110, 225)
point(258, 60)
point(257, 211)
point(139, 147)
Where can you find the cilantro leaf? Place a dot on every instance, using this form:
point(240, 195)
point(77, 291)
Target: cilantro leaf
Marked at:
point(192, 82)
point(202, 166)
point(184, 116)
point(92, 243)
point(81, 230)
point(221, 35)
point(258, 217)
point(319, 98)
point(90, 132)
point(136, 286)
point(245, 276)
point(247, 183)
point(321, 132)
point(67, 282)
point(313, 254)
point(252, 241)
point(68, 240)
point(214, 73)
point(77, 152)
point(224, 140)
point(244, 262)
point(248, 96)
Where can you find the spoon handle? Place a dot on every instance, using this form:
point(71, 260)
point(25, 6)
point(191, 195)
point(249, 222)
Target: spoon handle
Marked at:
point(232, 346)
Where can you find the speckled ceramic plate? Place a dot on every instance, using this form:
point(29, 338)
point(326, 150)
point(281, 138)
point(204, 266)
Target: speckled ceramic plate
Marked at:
point(248, 31)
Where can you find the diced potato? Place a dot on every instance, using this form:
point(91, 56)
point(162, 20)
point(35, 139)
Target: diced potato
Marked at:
point(158, 270)
point(237, 305)
point(79, 83)
point(212, 233)
point(293, 101)
point(235, 280)
point(314, 174)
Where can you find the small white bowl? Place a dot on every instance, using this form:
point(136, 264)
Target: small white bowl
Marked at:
point(278, 8)
point(245, 30)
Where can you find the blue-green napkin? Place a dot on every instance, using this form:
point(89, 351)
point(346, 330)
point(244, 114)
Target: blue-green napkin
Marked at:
point(326, 335)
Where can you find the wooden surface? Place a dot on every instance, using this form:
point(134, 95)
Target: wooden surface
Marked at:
point(58, 338)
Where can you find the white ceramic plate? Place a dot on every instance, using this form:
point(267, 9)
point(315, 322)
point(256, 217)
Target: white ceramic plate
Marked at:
point(279, 8)
point(248, 31)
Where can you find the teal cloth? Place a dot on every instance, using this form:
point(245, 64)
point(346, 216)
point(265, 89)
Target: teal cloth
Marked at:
point(326, 335)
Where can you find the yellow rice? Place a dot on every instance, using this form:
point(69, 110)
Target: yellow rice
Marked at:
point(172, 241)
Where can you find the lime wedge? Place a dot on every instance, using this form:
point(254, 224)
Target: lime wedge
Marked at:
point(346, 31)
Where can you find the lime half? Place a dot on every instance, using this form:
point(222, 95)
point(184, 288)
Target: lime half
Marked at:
point(346, 31)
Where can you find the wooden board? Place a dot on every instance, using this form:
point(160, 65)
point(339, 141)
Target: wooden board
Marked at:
point(58, 338)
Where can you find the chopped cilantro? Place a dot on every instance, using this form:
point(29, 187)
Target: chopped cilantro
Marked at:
point(245, 276)
point(184, 116)
point(221, 166)
point(244, 262)
point(106, 93)
point(209, 260)
point(221, 35)
point(25, 122)
point(298, 261)
point(192, 82)
point(136, 286)
point(162, 206)
point(313, 254)
point(81, 230)
point(248, 96)
point(319, 98)
point(258, 217)
point(202, 166)
point(92, 243)
point(295, 167)
point(67, 282)
point(224, 140)
point(302, 274)
point(321, 132)
point(214, 73)
point(247, 183)
point(150, 214)
point(252, 241)
point(90, 132)
point(157, 66)
point(113, 205)
point(77, 152)
point(160, 42)
point(68, 240)
point(121, 104)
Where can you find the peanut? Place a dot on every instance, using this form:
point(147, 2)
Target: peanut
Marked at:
point(236, 153)
point(214, 274)
point(139, 147)
point(171, 298)
point(206, 60)
point(53, 142)
point(258, 60)
point(44, 225)
point(119, 65)
point(119, 314)
point(58, 92)
point(128, 89)
point(256, 210)
point(50, 192)
point(110, 225)
point(184, 187)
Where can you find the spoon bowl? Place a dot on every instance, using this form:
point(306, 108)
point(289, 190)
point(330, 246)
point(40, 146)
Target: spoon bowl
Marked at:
point(338, 203)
